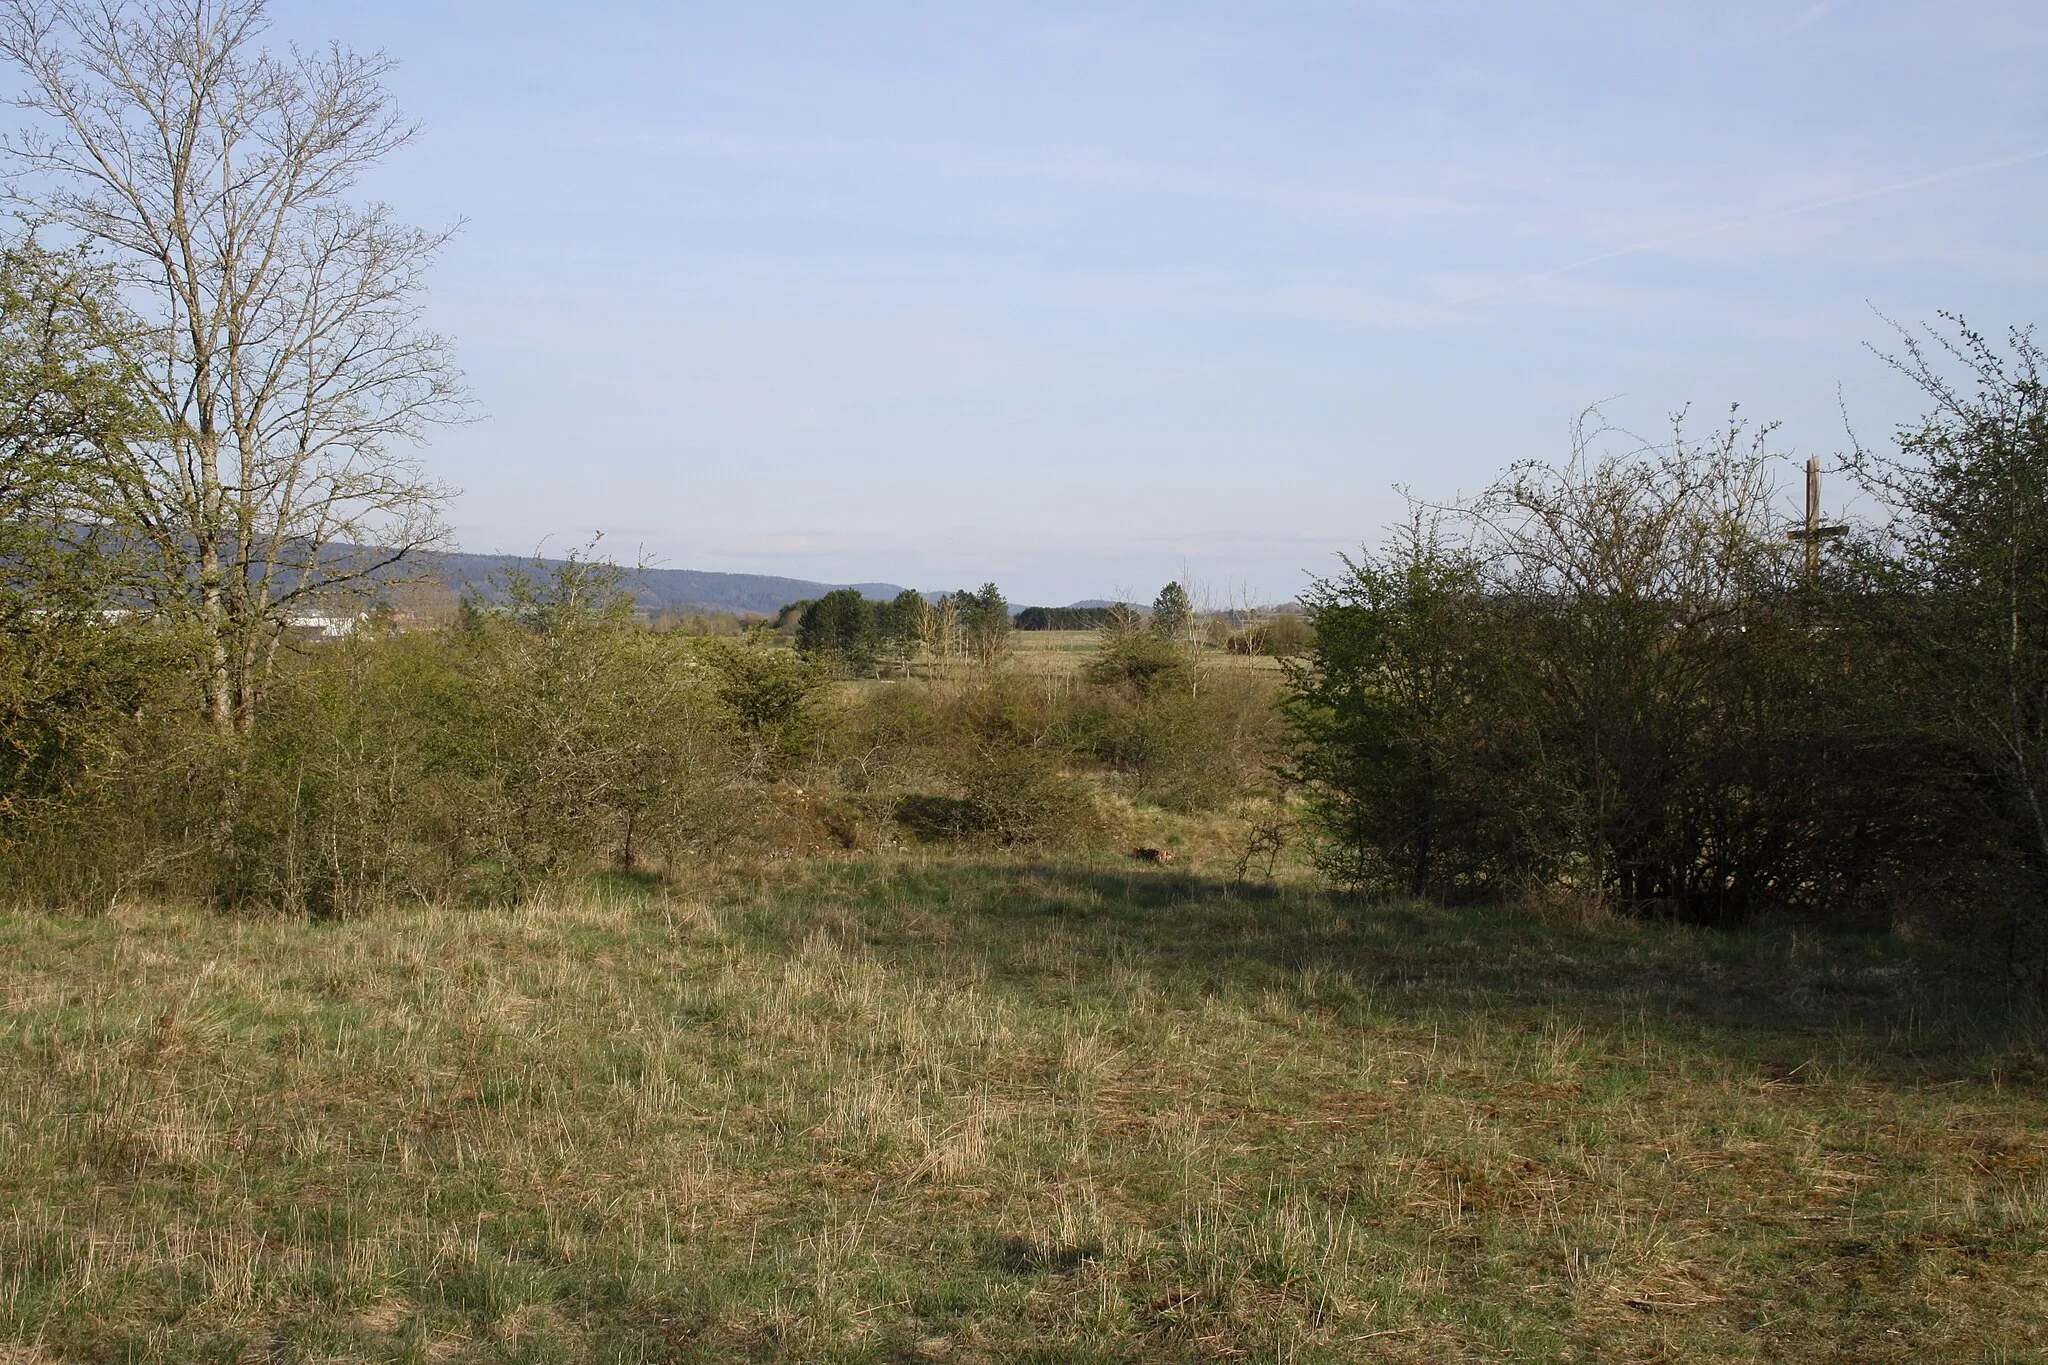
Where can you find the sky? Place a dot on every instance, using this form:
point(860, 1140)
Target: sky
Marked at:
point(1083, 297)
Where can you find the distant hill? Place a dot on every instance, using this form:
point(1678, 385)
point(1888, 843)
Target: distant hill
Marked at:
point(657, 590)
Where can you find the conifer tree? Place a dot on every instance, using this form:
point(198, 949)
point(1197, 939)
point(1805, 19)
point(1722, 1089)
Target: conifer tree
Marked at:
point(1173, 615)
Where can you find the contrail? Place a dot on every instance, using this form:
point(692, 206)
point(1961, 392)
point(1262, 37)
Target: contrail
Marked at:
point(1666, 243)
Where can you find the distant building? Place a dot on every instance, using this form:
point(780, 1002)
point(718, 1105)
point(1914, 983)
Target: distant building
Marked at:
point(325, 625)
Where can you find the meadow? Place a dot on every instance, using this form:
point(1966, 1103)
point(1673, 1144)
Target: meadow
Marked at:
point(1066, 652)
point(1514, 975)
point(1600, 918)
point(981, 1106)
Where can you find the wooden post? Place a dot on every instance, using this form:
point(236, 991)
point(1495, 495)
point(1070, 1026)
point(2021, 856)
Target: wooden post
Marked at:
point(1813, 533)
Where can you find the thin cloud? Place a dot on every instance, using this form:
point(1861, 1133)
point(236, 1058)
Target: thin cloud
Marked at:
point(1757, 220)
point(1812, 15)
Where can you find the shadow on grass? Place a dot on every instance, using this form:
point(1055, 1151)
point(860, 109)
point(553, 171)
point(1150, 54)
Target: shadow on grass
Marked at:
point(1906, 1009)
point(1022, 1256)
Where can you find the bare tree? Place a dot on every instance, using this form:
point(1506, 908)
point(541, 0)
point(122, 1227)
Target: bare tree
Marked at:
point(938, 629)
point(274, 330)
point(1252, 620)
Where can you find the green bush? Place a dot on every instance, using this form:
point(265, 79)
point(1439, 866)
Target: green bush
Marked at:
point(579, 736)
point(1176, 734)
point(542, 738)
point(769, 696)
point(354, 793)
point(985, 762)
point(545, 735)
point(1006, 795)
point(1958, 600)
point(1143, 665)
point(1611, 680)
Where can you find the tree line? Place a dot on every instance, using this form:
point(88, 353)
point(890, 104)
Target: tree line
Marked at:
point(1065, 618)
point(856, 636)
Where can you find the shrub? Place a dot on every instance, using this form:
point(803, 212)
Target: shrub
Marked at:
point(543, 737)
point(1609, 679)
point(1184, 750)
point(1141, 665)
point(1007, 796)
point(353, 793)
point(985, 761)
point(769, 695)
point(1961, 605)
point(1387, 720)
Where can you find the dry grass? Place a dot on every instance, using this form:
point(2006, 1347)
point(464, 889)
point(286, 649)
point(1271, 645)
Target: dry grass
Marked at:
point(959, 1111)
point(1062, 652)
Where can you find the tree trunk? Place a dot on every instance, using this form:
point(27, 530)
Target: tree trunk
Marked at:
point(213, 606)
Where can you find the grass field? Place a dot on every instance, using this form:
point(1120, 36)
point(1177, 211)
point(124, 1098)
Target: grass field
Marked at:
point(974, 1109)
point(1067, 651)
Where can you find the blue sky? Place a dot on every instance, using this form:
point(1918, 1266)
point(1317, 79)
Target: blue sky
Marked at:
point(1080, 297)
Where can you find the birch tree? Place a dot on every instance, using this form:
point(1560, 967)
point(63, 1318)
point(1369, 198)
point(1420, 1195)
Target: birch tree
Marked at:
point(273, 330)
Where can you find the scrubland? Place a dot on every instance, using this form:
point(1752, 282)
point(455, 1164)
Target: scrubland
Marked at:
point(1607, 929)
point(972, 1105)
point(1636, 959)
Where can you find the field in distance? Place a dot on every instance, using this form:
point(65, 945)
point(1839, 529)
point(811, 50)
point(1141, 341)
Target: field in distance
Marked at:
point(1066, 651)
point(977, 1108)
